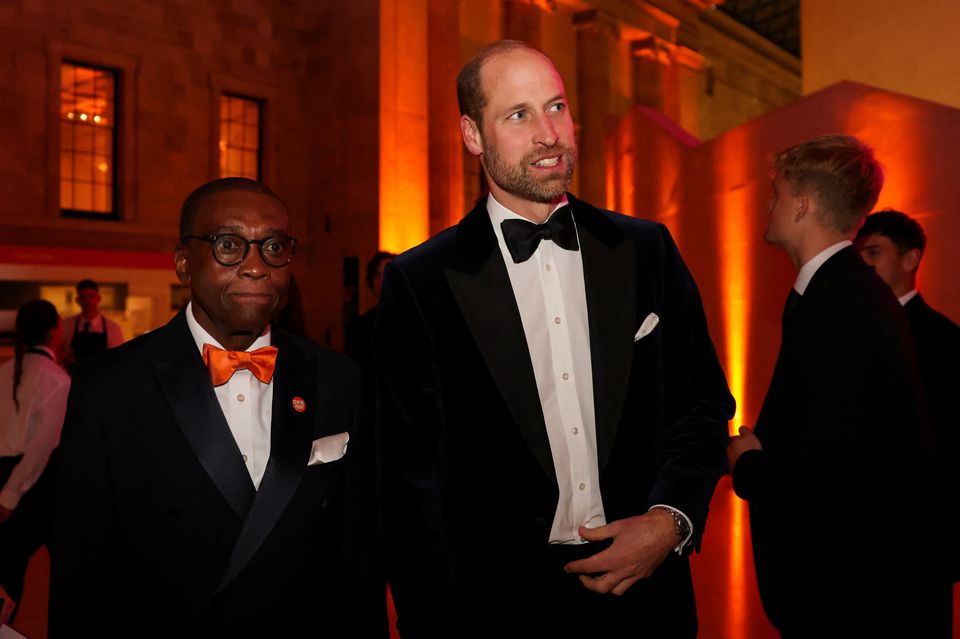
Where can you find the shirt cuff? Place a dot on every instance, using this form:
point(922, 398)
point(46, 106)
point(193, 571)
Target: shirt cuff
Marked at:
point(679, 548)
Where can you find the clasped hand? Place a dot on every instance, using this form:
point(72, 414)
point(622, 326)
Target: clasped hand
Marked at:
point(640, 544)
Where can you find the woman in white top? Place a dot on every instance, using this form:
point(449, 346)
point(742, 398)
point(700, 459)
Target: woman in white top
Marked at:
point(33, 400)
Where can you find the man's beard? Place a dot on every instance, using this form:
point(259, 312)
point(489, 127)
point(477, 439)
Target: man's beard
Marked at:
point(518, 180)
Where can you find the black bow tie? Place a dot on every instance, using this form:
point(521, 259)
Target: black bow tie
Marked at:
point(524, 237)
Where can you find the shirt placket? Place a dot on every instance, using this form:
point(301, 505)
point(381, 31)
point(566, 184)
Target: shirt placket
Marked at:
point(565, 384)
point(241, 419)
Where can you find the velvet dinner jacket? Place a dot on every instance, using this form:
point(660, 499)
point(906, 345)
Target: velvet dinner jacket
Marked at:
point(159, 529)
point(465, 450)
point(844, 447)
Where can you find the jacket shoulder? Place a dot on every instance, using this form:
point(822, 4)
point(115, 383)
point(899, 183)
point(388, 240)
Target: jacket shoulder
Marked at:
point(609, 224)
point(326, 359)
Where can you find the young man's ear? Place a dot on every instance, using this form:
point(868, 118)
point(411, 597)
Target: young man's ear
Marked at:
point(911, 259)
point(801, 205)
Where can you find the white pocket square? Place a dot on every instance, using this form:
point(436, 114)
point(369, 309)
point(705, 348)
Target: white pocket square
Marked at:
point(328, 449)
point(647, 327)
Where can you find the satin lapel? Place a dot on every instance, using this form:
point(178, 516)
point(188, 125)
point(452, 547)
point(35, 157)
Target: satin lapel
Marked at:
point(291, 435)
point(481, 286)
point(186, 385)
point(610, 279)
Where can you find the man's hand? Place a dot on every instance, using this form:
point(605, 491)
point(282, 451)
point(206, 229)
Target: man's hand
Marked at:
point(739, 444)
point(8, 605)
point(5, 514)
point(640, 544)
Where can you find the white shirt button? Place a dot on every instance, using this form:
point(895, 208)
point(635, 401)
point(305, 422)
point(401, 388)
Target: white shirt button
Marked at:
point(240, 397)
point(565, 376)
point(548, 267)
point(245, 461)
point(575, 430)
point(556, 320)
point(582, 487)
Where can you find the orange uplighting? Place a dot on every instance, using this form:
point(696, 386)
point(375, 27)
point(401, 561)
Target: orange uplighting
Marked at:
point(737, 582)
point(404, 132)
point(735, 226)
point(895, 128)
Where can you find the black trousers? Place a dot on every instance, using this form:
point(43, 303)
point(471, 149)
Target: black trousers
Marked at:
point(28, 527)
point(536, 598)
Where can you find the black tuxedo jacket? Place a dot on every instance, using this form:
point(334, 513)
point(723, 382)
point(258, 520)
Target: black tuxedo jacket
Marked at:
point(938, 354)
point(843, 466)
point(469, 483)
point(159, 530)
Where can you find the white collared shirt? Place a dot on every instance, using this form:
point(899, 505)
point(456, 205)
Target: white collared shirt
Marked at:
point(33, 430)
point(906, 297)
point(807, 271)
point(550, 294)
point(247, 403)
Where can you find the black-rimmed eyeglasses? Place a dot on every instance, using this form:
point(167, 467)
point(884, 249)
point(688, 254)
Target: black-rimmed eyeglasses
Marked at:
point(230, 249)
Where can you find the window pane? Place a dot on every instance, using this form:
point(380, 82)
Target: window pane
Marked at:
point(66, 194)
point(87, 120)
point(239, 137)
point(250, 137)
point(102, 141)
point(250, 165)
point(83, 165)
point(235, 137)
point(101, 166)
point(101, 198)
point(233, 162)
point(66, 165)
point(83, 196)
point(83, 138)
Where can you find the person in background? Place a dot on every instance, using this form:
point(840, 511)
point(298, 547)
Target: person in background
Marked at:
point(88, 333)
point(33, 399)
point(843, 513)
point(359, 333)
point(893, 243)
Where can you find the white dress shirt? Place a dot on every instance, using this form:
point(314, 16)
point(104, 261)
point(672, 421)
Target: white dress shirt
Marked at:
point(552, 300)
point(906, 297)
point(247, 403)
point(806, 272)
point(34, 430)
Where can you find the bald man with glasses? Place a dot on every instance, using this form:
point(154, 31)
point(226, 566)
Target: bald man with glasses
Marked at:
point(217, 493)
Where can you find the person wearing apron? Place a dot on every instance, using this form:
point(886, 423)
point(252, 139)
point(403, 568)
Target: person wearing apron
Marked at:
point(86, 343)
point(89, 333)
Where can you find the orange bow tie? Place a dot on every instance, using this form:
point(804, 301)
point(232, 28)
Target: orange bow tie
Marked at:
point(222, 364)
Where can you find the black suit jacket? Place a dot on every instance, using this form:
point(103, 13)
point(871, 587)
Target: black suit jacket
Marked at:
point(938, 354)
point(469, 483)
point(159, 530)
point(843, 470)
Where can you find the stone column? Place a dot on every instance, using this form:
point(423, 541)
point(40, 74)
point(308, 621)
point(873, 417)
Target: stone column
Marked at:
point(521, 21)
point(445, 149)
point(595, 37)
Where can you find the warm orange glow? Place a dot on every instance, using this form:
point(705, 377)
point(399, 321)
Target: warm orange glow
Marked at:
point(736, 221)
point(895, 128)
point(404, 136)
point(610, 172)
point(737, 583)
